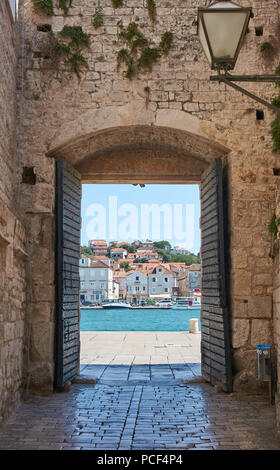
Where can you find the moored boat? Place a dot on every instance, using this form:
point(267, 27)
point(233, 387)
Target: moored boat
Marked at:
point(164, 304)
point(116, 304)
point(194, 306)
point(186, 303)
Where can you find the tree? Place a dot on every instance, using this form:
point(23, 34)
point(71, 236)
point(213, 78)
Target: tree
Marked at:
point(164, 255)
point(87, 250)
point(162, 245)
point(187, 259)
point(125, 265)
point(129, 248)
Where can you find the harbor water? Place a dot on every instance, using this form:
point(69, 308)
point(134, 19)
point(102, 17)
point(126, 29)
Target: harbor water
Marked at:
point(120, 319)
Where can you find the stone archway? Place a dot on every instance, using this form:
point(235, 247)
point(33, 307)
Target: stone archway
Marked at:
point(154, 152)
point(153, 147)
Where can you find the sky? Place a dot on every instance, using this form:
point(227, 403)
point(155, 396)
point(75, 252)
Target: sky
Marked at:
point(123, 212)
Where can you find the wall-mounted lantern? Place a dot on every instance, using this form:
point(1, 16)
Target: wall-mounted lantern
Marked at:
point(221, 29)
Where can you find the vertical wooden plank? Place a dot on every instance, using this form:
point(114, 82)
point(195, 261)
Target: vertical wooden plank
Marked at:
point(215, 332)
point(67, 338)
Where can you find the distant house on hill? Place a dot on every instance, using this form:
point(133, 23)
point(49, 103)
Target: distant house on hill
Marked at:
point(179, 251)
point(118, 253)
point(104, 259)
point(145, 248)
point(100, 247)
point(147, 244)
point(146, 254)
point(131, 256)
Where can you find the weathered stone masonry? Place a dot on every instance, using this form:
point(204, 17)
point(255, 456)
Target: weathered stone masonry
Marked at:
point(12, 234)
point(105, 118)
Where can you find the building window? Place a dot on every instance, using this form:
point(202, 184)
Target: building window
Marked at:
point(82, 284)
point(166, 279)
point(154, 279)
point(137, 278)
point(144, 288)
point(166, 289)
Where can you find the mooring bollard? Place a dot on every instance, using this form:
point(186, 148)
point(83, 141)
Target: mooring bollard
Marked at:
point(194, 325)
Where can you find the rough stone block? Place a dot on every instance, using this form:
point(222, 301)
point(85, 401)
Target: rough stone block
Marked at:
point(261, 332)
point(260, 306)
point(240, 333)
point(242, 281)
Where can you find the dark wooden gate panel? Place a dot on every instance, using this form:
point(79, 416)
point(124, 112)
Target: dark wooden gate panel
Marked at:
point(215, 330)
point(68, 221)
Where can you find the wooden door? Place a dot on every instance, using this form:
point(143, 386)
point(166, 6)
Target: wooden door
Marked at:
point(68, 223)
point(215, 330)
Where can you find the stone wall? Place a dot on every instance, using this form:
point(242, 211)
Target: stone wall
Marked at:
point(64, 115)
point(276, 307)
point(13, 254)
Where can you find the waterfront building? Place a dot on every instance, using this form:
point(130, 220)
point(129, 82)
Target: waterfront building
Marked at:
point(189, 281)
point(96, 281)
point(136, 286)
point(119, 276)
point(161, 282)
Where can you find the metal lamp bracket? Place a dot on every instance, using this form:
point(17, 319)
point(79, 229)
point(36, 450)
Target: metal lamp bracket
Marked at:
point(229, 79)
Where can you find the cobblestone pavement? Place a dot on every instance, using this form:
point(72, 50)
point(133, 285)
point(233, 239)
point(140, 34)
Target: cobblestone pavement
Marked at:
point(141, 407)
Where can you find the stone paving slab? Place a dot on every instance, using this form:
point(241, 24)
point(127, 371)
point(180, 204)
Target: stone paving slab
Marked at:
point(139, 347)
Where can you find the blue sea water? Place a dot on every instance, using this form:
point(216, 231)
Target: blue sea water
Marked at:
point(138, 319)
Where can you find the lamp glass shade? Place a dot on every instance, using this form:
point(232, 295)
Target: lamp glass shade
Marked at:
point(221, 29)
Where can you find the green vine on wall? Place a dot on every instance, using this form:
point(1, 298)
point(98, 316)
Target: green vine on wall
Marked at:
point(43, 6)
point(47, 6)
point(138, 55)
point(75, 37)
point(151, 7)
point(97, 20)
point(70, 48)
point(266, 47)
point(166, 42)
point(117, 3)
point(65, 5)
point(273, 226)
point(275, 125)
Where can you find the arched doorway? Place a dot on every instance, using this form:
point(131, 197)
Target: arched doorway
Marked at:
point(144, 154)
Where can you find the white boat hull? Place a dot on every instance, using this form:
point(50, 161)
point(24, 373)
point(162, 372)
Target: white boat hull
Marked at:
point(115, 305)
